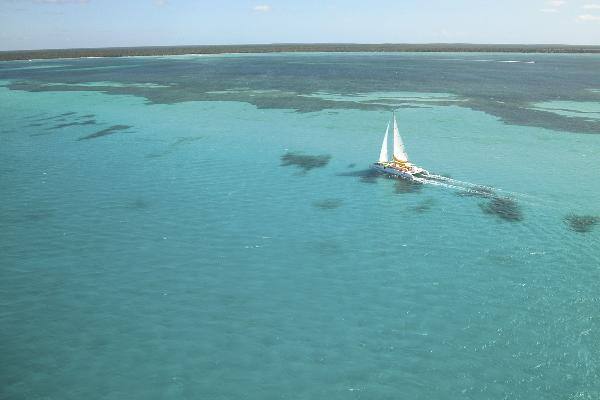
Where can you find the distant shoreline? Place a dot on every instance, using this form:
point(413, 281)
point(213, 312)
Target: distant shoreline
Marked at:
point(280, 48)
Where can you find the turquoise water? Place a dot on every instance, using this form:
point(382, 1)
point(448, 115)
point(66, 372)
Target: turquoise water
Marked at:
point(154, 244)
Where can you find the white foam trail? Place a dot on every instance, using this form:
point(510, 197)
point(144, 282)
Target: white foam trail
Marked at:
point(456, 181)
point(467, 188)
point(439, 180)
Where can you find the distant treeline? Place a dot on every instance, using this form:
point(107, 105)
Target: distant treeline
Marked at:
point(276, 48)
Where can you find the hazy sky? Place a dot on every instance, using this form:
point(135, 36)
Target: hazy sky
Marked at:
point(34, 24)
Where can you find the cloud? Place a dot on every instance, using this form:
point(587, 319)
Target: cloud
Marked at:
point(589, 17)
point(553, 5)
point(262, 8)
point(160, 3)
point(592, 6)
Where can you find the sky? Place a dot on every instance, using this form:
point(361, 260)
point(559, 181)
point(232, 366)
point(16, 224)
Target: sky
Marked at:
point(44, 24)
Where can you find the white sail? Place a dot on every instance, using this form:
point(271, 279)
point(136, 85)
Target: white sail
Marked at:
point(399, 152)
point(383, 155)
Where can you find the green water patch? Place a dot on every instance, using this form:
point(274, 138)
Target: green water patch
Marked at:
point(581, 223)
point(579, 109)
point(304, 161)
point(76, 123)
point(138, 204)
point(326, 247)
point(403, 186)
point(59, 117)
point(424, 206)
point(27, 215)
point(328, 204)
point(60, 121)
point(105, 132)
point(171, 148)
point(505, 208)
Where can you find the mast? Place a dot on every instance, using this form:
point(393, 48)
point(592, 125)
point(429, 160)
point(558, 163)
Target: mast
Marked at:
point(399, 152)
point(383, 155)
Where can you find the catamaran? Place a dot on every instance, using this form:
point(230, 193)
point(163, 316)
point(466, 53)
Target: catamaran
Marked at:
point(399, 166)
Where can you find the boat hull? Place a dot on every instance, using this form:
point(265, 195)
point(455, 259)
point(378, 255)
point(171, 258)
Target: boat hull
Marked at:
point(395, 172)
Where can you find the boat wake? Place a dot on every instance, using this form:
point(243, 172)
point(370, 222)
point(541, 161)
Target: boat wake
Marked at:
point(462, 186)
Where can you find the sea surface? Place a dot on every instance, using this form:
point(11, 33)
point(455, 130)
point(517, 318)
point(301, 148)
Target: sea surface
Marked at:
point(206, 227)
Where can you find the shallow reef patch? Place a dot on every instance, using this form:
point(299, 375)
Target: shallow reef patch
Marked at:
point(304, 161)
point(104, 132)
point(581, 223)
point(365, 175)
point(328, 204)
point(173, 146)
point(423, 206)
point(67, 124)
point(327, 247)
point(137, 204)
point(26, 216)
point(505, 208)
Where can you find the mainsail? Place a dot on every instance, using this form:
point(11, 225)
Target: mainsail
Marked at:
point(383, 155)
point(399, 152)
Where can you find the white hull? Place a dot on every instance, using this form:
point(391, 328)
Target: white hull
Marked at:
point(415, 172)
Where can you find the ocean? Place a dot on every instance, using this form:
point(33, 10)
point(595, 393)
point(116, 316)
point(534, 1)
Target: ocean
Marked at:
point(207, 227)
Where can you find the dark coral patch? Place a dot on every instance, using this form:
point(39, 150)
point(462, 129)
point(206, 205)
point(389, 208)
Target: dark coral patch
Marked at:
point(27, 216)
point(424, 206)
point(65, 125)
point(138, 204)
point(504, 208)
point(104, 132)
point(581, 223)
point(173, 146)
point(365, 175)
point(328, 204)
point(304, 161)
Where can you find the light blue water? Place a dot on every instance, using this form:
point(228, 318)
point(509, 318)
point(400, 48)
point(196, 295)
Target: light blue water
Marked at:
point(176, 257)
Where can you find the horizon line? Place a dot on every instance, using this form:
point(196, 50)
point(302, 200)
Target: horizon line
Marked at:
point(167, 50)
point(309, 44)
